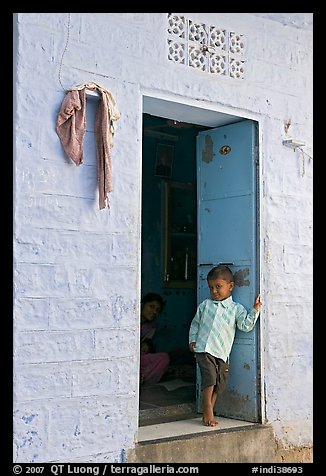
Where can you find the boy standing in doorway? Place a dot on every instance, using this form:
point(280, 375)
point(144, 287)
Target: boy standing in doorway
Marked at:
point(212, 332)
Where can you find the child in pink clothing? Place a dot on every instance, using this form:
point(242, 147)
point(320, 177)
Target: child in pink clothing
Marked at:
point(152, 364)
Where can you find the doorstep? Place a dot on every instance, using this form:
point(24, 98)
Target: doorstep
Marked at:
point(186, 427)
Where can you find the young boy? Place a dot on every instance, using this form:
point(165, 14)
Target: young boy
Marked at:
point(212, 332)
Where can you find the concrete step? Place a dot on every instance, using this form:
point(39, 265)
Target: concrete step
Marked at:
point(189, 441)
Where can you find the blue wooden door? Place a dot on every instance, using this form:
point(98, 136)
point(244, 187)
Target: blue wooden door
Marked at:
point(227, 233)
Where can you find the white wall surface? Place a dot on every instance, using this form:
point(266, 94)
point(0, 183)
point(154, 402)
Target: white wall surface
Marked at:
point(77, 269)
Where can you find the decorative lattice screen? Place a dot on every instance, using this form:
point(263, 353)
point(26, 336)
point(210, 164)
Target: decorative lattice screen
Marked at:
point(205, 47)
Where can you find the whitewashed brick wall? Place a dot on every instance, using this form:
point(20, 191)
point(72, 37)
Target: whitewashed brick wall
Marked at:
point(77, 269)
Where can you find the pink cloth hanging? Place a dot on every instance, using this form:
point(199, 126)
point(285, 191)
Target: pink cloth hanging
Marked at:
point(71, 128)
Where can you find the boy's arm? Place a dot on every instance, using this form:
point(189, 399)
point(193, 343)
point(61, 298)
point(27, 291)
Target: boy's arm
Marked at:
point(246, 321)
point(193, 331)
point(194, 326)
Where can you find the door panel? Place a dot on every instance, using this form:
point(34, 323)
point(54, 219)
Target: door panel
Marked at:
point(227, 243)
point(227, 233)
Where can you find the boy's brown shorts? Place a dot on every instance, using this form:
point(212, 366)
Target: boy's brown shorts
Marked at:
point(214, 371)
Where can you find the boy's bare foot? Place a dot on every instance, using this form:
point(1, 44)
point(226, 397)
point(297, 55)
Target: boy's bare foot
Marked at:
point(209, 420)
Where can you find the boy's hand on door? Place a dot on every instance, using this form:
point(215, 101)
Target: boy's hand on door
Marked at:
point(258, 303)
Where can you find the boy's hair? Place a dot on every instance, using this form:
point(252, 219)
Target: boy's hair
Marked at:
point(221, 271)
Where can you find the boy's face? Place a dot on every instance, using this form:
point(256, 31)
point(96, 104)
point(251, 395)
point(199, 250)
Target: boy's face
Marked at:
point(220, 288)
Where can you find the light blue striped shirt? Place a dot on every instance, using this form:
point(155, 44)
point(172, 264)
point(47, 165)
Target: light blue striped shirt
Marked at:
point(214, 325)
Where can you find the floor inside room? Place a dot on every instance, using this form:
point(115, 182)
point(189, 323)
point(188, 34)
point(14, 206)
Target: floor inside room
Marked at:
point(173, 398)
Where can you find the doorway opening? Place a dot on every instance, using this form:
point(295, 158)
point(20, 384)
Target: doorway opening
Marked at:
point(169, 261)
point(169, 246)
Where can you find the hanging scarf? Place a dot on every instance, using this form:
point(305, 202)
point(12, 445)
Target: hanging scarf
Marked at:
point(71, 129)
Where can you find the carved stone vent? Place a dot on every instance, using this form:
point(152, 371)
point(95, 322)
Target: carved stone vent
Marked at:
point(205, 47)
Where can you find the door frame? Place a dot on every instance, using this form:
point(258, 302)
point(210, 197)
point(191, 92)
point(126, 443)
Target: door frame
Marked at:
point(213, 115)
